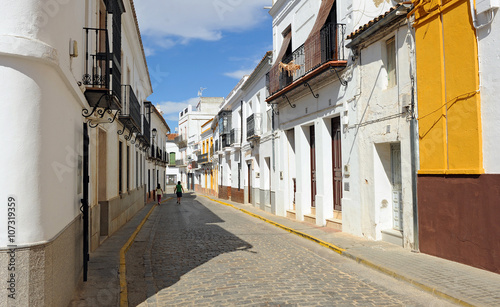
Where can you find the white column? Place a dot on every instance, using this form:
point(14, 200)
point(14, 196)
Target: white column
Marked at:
point(324, 172)
point(303, 171)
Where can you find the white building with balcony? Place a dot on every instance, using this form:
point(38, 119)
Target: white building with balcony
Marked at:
point(260, 143)
point(191, 121)
point(344, 141)
point(76, 78)
point(229, 155)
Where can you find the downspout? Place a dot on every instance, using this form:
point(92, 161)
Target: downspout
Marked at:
point(413, 139)
point(241, 145)
point(272, 131)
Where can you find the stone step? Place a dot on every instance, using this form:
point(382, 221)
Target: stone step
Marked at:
point(334, 223)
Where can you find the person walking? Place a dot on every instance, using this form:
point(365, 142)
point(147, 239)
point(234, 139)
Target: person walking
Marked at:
point(178, 190)
point(159, 193)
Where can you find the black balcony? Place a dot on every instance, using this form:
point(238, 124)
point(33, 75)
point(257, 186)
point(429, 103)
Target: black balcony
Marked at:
point(97, 75)
point(225, 140)
point(235, 136)
point(181, 141)
point(254, 123)
point(203, 158)
point(131, 111)
point(144, 136)
point(326, 47)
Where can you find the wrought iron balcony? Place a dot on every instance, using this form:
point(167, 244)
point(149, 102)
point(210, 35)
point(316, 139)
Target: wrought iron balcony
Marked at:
point(181, 141)
point(326, 47)
point(98, 73)
point(181, 162)
point(254, 125)
point(203, 158)
point(225, 141)
point(236, 136)
point(131, 111)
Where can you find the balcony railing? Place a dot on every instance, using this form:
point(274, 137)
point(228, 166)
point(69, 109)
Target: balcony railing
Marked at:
point(97, 57)
point(97, 74)
point(225, 141)
point(131, 109)
point(181, 141)
point(254, 125)
point(181, 162)
point(146, 129)
point(203, 158)
point(235, 136)
point(320, 49)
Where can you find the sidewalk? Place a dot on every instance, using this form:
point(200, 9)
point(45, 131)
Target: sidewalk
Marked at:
point(459, 283)
point(103, 285)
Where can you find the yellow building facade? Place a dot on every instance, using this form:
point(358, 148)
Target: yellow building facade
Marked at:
point(457, 199)
point(448, 88)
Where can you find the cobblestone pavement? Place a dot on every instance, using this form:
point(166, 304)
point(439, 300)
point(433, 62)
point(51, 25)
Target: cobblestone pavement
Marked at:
point(204, 253)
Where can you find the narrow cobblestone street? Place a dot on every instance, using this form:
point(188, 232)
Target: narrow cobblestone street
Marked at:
point(204, 253)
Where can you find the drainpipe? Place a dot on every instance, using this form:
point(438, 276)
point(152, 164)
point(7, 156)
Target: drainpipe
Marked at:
point(413, 144)
point(241, 146)
point(272, 131)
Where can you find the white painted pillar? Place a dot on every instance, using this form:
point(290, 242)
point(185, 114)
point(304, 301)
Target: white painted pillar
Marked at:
point(283, 201)
point(303, 171)
point(324, 172)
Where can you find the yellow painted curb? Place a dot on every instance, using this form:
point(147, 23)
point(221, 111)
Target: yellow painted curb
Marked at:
point(123, 251)
point(291, 230)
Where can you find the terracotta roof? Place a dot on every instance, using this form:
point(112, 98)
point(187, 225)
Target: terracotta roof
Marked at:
point(373, 21)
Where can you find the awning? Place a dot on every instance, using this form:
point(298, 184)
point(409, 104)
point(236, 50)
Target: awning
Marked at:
point(274, 72)
point(312, 46)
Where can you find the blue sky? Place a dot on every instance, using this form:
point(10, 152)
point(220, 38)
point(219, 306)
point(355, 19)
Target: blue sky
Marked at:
point(193, 44)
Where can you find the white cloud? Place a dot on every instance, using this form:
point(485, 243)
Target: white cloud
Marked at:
point(172, 109)
point(239, 73)
point(177, 22)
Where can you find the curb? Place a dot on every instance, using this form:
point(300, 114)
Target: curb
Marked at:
point(123, 251)
point(291, 230)
point(409, 280)
point(365, 262)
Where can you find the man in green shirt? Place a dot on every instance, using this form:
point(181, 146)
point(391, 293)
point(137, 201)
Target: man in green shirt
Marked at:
point(178, 190)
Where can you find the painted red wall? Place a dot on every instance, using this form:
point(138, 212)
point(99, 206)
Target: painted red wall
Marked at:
point(459, 219)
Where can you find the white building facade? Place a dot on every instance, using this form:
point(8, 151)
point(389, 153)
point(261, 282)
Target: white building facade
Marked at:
point(191, 121)
point(260, 144)
point(76, 79)
point(343, 134)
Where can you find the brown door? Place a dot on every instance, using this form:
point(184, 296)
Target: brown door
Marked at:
point(249, 183)
point(337, 164)
point(312, 143)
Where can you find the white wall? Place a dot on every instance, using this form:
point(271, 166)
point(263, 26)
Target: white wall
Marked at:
point(489, 53)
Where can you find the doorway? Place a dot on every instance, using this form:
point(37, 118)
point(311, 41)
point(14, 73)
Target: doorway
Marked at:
point(312, 144)
point(397, 192)
point(249, 183)
point(337, 164)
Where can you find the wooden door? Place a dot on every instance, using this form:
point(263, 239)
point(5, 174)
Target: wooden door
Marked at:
point(337, 164)
point(249, 183)
point(312, 143)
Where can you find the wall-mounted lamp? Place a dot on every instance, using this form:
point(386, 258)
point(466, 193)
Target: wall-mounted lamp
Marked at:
point(154, 132)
